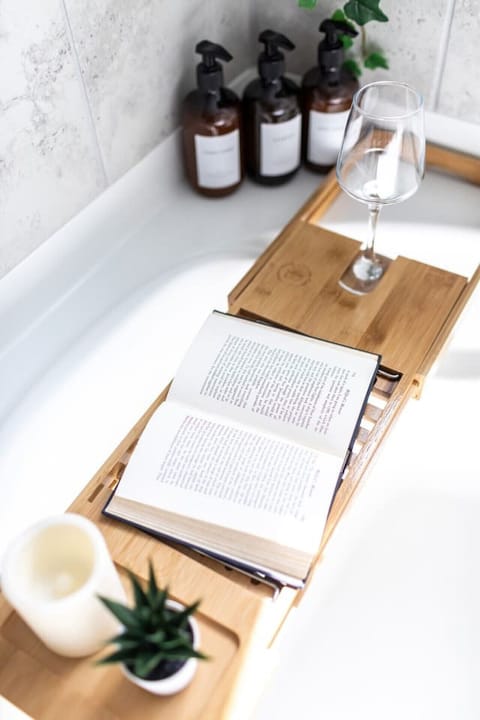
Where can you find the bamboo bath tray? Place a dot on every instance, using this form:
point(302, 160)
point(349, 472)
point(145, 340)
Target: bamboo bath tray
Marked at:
point(407, 319)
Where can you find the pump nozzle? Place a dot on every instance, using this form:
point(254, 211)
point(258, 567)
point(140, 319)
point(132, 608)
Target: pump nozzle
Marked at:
point(271, 62)
point(273, 40)
point(209, 71)
point(330, 49)
point(332, 30)
point(209, 51)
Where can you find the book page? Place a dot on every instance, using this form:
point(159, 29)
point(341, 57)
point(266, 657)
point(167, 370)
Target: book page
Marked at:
point(190, 464)
point(307, 390)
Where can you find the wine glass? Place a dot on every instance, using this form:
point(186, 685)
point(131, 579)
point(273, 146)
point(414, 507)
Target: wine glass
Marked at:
point(381, 162)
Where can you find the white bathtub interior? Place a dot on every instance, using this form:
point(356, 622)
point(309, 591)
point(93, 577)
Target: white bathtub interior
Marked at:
point(390, 624)
point(393, 609)
point(82, 364)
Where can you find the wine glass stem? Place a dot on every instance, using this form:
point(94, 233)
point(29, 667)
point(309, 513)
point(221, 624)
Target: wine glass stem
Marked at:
point(373, 213)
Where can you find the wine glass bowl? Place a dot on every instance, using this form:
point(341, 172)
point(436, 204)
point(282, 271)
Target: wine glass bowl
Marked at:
point(381, 162)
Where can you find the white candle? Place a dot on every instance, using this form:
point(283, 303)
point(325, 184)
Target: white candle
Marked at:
point(52, 574)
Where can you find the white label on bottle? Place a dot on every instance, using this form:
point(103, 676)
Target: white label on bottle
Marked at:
point(218, 160)
point(280, 147)
point(325, 134)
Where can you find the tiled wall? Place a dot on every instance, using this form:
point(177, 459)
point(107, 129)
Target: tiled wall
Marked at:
point(410, 40)
point(49, 164)
point(88, 87)
point(460, 87)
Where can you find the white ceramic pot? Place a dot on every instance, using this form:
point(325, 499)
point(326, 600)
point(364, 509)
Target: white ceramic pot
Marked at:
point(184, 675)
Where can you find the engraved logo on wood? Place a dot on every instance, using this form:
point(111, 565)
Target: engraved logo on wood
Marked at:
point(294, 274)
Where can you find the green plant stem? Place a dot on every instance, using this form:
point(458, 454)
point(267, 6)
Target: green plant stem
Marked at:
point(363, 40)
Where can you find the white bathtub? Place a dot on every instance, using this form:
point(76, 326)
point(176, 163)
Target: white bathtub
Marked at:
point(92, 328)
point(390, 626)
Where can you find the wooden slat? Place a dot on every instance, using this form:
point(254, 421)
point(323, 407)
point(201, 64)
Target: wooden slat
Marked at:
point(453, 162)
point(233, 620)
point(313, 208)
point(442, 336)
point(108, 694)
point(298, 287)
point(450, 161)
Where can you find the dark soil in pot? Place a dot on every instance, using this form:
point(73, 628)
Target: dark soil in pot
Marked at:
point(166, 668)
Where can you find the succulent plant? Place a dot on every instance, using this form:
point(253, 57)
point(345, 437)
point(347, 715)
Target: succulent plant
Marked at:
point(156, 640)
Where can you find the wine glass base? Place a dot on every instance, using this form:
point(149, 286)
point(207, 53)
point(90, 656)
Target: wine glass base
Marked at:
point(364, 274)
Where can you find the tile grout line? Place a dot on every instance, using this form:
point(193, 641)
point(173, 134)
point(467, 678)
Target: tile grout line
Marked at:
point(91, 120)
point(441, 55)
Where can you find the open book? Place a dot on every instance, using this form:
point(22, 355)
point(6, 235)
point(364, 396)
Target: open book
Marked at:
point(242, 459)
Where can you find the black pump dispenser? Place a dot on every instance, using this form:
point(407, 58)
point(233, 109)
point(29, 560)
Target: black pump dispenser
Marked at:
point(209, 71)
point(271, 62)
point(327, 93)
point(212, 135)
point(330, 50)
point(272, 116)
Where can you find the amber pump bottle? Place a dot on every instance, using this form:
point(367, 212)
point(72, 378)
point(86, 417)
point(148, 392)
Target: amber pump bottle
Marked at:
point(211, 127)
point(272, 116)
point(327, 93)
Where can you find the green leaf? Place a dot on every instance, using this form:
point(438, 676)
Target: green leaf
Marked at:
point(177, 644)
point(156, 597)
point(126, 642)
point(184, 654)
point(157, 637)
point(182, 617)
point(363, 11)
point(152, 582)
point(126, 616)
point(346, 41)
point(309, 4)
point(340, 15)
point(353, 67)
point(125, 656)
point(136, 634)
point(144, 664)
point(139, 594)
point(376, 60)
point(144, 614)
